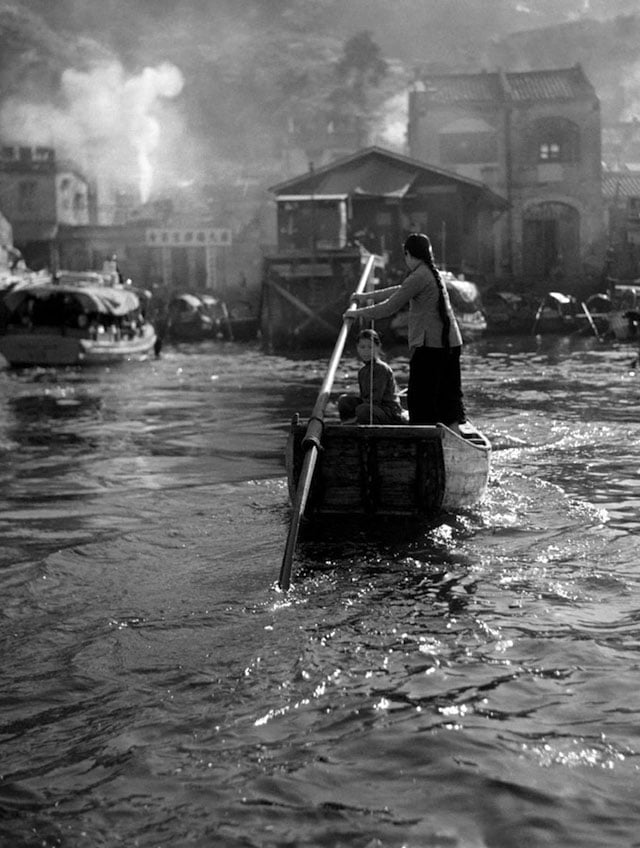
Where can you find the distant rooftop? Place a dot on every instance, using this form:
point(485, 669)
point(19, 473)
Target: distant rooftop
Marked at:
point(499, 86)
point(376, 172)
point(457, 88)
point(620, 184)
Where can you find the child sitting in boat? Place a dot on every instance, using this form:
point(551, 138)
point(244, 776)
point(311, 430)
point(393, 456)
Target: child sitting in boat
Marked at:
point(379, 400)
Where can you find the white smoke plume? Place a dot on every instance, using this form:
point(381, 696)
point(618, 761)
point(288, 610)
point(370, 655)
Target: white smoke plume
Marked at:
point(390, 130)
point(106, 121)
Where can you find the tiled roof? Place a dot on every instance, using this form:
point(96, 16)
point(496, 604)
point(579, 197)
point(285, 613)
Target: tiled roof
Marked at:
point(464, 88)
point(548, 85)
point(557, 84)
point(621, 184)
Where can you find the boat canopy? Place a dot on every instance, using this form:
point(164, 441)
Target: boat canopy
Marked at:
point(464, 294)
point(118, 301)
point(190, 300)
point(83, 277)
point(559, 297)
point(628, 287)
point(109, 301)
point(508, 297)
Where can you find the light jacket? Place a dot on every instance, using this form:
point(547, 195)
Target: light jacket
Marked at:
point(420, 290)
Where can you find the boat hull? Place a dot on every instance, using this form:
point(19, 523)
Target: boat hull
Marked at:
point(50, 348)
point(400, 470)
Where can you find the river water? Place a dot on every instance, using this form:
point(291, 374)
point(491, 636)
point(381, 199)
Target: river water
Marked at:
point(472, 685)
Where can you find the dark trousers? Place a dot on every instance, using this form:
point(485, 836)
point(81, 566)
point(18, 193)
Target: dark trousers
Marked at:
point(435, 388)
point(352, 406)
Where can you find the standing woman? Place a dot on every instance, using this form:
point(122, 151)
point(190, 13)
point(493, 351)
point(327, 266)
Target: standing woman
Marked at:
point(435, 342)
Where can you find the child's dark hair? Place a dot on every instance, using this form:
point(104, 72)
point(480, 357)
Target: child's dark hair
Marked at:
point(418, 245)
point(370, 335)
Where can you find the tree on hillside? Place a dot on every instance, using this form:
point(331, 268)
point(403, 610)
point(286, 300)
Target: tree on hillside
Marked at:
point(358, 75)
point(361, 64)
point(293, 87)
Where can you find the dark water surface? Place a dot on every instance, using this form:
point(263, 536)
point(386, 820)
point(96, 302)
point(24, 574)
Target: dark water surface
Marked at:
point(473, 685)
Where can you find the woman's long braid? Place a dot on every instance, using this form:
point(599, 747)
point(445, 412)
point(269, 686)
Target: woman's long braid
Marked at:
point(442, 305)
point(419, 246)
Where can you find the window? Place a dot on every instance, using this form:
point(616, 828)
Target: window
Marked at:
point(634, 208)
point(415, 221)
point(549, 152)
point(555, 140)
point(27, 196)
point(43, 154)
point(384, 219)
point(468, 140)
point(467, 148)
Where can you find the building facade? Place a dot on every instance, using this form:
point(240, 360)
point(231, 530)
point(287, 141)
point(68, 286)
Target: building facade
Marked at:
point(535, 139)
point(6, 246)
point(621, 191)
point(37, 194)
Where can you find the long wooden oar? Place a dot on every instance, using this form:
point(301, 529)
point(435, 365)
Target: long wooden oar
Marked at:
point(313, 437)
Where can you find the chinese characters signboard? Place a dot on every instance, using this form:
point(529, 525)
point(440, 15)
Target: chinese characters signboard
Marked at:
point(197, 237)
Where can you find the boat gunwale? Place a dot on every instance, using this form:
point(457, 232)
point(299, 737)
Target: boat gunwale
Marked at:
point(473, 438)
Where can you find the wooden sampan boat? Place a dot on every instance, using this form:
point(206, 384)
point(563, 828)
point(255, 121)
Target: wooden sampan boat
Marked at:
point(376, 470)
point(395, 470)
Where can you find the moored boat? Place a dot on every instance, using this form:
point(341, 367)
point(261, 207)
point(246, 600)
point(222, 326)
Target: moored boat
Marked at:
point(508, 312)
point(190, 319)
point(394, 470)
point(556, 313)
point(76, 318)
point(625, 305)
point(196, 317)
